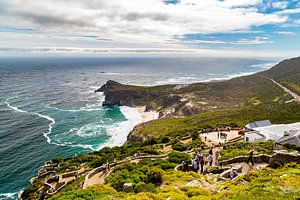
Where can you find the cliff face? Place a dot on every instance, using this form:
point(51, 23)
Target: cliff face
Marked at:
point(158, 98)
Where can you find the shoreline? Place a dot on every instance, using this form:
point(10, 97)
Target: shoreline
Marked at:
point(147, 116)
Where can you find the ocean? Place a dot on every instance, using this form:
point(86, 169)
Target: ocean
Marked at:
point(48, 107)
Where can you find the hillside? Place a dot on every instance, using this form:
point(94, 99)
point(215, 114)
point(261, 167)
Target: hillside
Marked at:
point(286, 72)
point(185, 110)
point(190, 99)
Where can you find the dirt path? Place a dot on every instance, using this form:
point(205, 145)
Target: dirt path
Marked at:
point(98, 178)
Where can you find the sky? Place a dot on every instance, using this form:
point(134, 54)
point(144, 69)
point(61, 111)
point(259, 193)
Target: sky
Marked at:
point(233, 28)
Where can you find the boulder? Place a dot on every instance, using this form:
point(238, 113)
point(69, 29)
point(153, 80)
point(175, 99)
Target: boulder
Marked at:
point(194, 183)
point(128, 187)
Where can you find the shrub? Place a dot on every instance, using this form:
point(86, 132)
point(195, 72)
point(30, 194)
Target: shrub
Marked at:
point(179, 146)
point(143, 187)
point(243, 148)
point(195, 144)
point(195, 136)
point(194, 191)
point(151, 141)
point(164, 139)
point(292, 147)
point(177, 157)
point(57, 160)
point(154, 176)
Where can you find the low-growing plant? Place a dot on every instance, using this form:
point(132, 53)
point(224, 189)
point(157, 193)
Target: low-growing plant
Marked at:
point(178, 157)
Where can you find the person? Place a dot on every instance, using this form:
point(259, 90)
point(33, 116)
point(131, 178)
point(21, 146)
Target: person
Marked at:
point(250, 158)
point(185, 166)
point(194, 165)
point(210, 159)
point(217, 157)
point(233, 174)
point(210, 151)
point(205, 138)
point(205, 159)
point(201, 161)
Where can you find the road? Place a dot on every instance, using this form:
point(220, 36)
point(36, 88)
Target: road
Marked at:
point(295, 96)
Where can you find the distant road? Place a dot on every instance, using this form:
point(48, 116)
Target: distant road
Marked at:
point(295, 96)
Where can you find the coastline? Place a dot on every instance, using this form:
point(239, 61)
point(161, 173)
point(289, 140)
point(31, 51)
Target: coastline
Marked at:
point(147, 115)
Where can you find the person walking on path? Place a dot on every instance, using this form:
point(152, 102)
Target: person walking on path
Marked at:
point(217, 157)
point(201, 161)
point(250, 158)
point(194, 165)
point(210, 159)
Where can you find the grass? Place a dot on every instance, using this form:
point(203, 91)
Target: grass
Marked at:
point(243, 148)
point(276, 112)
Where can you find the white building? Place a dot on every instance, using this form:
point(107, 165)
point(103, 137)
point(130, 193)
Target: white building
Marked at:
point(280, 133)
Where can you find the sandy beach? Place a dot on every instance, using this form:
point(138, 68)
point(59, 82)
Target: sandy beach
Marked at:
point(147, 116)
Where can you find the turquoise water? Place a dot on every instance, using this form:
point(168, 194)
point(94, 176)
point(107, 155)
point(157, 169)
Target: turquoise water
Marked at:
point(48, 107)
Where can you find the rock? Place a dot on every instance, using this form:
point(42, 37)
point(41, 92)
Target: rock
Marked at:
point(128, 187)
point(194, 183)
point(281, 158)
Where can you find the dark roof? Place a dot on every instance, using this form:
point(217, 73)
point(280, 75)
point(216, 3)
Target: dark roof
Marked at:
point(259, 124)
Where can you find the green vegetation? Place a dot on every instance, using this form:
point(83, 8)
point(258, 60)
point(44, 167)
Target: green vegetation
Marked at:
point(177, 157)
point(243, 148)
point(268, 184)
point(276, 112)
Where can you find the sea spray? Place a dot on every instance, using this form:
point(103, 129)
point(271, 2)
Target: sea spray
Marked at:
point(118, 133)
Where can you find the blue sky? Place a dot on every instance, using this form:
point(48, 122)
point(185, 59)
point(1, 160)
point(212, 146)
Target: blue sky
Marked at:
point(236, 28)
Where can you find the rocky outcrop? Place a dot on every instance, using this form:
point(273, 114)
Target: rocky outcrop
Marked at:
point(278, 159)
point(158, 98)
point(281, 158)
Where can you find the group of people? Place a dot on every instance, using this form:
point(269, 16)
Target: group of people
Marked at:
point(201, 160)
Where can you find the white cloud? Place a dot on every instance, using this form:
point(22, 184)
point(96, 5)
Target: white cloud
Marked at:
point(254, 41)
point(136, 20)
point(280, 4)
point(289, 33)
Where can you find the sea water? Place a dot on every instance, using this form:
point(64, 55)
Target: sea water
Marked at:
point(48, 107)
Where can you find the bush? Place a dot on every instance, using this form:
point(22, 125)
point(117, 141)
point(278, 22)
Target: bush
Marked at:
point(151, 141)
point(292, 147)
point(179, 146)
point(195, 144)
point(57, 160)
point(194, 191)
point(154, 176)
point(243, 148)
point(143, 187)
point(164, 139)
point(177, 157)
point(195, 136)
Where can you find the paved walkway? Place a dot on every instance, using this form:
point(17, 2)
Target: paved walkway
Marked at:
point(295, 96)
point(212, 138)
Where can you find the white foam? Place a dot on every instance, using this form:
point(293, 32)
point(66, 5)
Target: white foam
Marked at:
point(8, 196)
point(50, 119)
point(118, 133)
point(13, 107)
